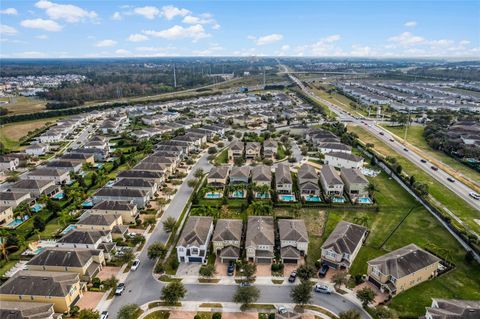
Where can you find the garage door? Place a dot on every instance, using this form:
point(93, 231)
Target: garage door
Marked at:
point(264, 260)
point(227, 260)
point(195, 259)
point(290, 261)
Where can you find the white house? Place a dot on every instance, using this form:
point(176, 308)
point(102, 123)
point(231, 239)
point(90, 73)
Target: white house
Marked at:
point(37, 149)
point(193, 243)
point(343, 160)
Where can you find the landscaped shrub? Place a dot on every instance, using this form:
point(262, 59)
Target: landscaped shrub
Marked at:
point(217, 315)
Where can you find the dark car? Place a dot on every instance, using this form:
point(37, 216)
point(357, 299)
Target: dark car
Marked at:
point(230, 268)
point(292, 277)
point(451, 180)
point(392, 140)
point(405, 149)
point(434, 168)
point(423, 161)
point(323, 270)
point(381, 133)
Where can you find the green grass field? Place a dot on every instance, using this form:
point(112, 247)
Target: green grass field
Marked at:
point(415, 137)
point(441, 193)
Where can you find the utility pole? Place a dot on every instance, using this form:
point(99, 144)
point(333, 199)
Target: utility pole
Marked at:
point(264, 81)
point(174, 77)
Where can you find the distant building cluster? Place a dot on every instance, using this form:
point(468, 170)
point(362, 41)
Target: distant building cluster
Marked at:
point(31, 85)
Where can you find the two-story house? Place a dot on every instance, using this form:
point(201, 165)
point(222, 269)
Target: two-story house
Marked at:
point(13, 199)
point(218, 176)
point(127, 210)
point(356, 185)
point(452, 309)
point(343, 244)
point(331, 182)
point(283, 179)
point(308, 181)
point(138, 197)
point(270, 148)
point(293, 240)
point(227, 238)
point(252, 150)
point(193, 243)
point(240, 175)
point(343, 160)
point(235, 150)
point(27, 310)
point(48, 174)
point(260, 239)
point(402, 269)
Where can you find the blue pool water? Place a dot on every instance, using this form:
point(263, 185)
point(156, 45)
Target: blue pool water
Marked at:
point(68, 229)
point(38, 250)
point(237, 194)
point(110, 184)
point(98, 165)
point(313, 198)
point(213, 195)
point(58, 196)
point(364, 200)
point(262, 196)
point(286, 198)
point(87, 203)
point(338, 199)
point(14, 223)
point(36, 208)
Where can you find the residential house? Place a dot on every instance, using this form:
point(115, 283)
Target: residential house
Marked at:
point(65, 165)
point(343, 244)
point(331, 182)
point(235, 150)
point(308, 180)
point(146, 185)
point(227, 238)
point(343, 160)
point(402, 269)
point(37, 149)
point(293, 240)
point(270, 148)
point(240, 175)
point(453, 309)
point(86, 262)
point(6, 215)
point(13, 199)
point(62, 289)
point(27, 310)
point(111, 223)
point(157, 177)
point(334, 147)
point(218, 175)
point(193, 243)
point(127, 210)
point(283, 179)
point(36, 188)
point(8, 163)
point(252, 150)
point(262, 175)
point(48, 174)
point(77, 157)
point(356, 185)
point(138, 197)
point(260, 239)
point(92, 239)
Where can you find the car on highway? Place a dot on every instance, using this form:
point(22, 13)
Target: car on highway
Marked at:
point(120, 289)
point(451, 180)
point(230, 268)
point(405, 149)
point(474, 195)
point(434, 168)
point(381, 133)
point(104, 315)
point(423, 160)
point(323, 289)
point(323, 270)
point(391, 140)
point(135, 264)
point(293, 277)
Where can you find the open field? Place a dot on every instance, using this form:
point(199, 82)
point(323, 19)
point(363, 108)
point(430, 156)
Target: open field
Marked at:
point(415, 137)
point(415, 225)
point(441, 193)
point(23, 104)
point(341, 101)
point(10, 134)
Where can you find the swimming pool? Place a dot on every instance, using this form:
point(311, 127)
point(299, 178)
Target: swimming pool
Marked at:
point(58, 196)
point(14, 223)
point(213, 195)
point(36, 208)
point(364, 200)
point(238, 194)
point(286, 198)
point(312, 198)
point(338, 199)
point(68, 229)
point(262, 195)
point(88, 203)
point(110, 184)
point(98, 165)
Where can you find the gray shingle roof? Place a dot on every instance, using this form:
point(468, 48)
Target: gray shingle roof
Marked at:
point(240, 172)
point(345, 156)
point(114, 205)
point(40, 283)
point(228, 229)
point(331, 176)
point(81, 237)
point(64, 257)
point(282, 174)
point(454, 309)
point(261, 173)
point(98, 219)
point(292, 230)
point(237, 146)
point(195, 231)
point(25, 310)
point(219, 172)
point(260, 231)
point(351, 175)
point(344, 238)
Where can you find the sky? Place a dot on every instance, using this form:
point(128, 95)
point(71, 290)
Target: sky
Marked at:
point(108, 28)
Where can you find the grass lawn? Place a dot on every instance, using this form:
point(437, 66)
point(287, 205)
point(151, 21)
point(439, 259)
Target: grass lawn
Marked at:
point(341, 101)
point(222, 158)
point(159, 314)
point(51, 229)
point(415, 137)
point(441, 193)
point(23, 104)
point(10, 134)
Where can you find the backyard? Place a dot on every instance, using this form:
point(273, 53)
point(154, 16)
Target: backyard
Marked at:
point(11, 134)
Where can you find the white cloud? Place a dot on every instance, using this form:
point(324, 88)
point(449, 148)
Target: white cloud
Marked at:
point(406, 39)
point(266, 39)
point(42, 37)
point(47, 25)
point(205, 18)
point(148, 12)
point(9, 11)
point(213, 50)
point(170, 12)
point(32, 54)
point(105, 43)
point(326, 46)
point(7, 30)
point(137, 37)
point(66, 12)
point(362, 51)
point(117, 16)
point(194, 32)
point(411, 24)
point(122, 52)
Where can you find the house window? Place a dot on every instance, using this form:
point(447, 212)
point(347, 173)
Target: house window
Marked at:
point(194, 251)
point(180, 249)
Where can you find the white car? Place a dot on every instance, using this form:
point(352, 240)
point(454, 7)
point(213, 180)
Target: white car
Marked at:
point(282, 309)
point(323, 289)
point(135, 264)
point(474, 195)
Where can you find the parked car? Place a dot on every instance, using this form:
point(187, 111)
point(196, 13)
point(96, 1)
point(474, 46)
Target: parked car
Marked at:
point(135, 264)
point(323, 289)
point(282, 309)
point(423, 161)
point(104, 315)
point(474, 195)
point(434, 168)
point(120, 289)
point(230, 268)
point(323, 270)
point(293, 276)
point(245, 284)
point(451, 180)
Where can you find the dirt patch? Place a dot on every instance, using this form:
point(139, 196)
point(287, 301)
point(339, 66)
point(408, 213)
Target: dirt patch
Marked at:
point(90, 300)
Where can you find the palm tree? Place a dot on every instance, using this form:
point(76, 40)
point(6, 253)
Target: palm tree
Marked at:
point(371, 188)
point(5, 247)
